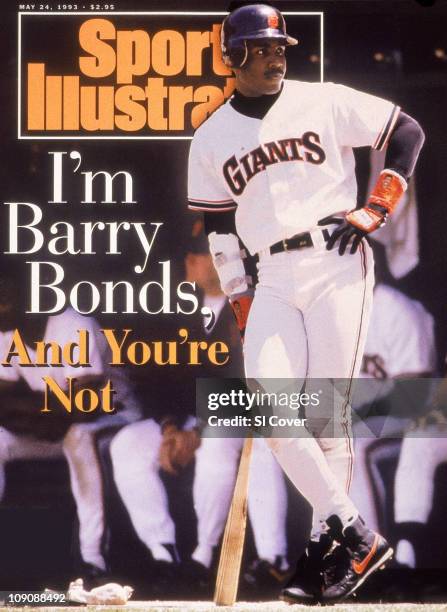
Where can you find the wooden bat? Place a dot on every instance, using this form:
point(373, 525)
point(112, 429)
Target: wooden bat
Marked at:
point(227, 580)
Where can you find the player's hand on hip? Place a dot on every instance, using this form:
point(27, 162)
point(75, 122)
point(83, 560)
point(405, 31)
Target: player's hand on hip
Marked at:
point(346, 233)
point(360, 222)
point(356, 226)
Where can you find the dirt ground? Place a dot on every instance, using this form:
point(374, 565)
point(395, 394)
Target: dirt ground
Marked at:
point(273, 606)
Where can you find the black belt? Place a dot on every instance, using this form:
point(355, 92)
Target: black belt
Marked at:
point(299, 241)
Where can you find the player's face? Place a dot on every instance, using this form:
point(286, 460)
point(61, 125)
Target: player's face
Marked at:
point(264, 70)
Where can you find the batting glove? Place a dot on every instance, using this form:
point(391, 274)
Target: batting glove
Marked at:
point(360, 222)
point(346, 233)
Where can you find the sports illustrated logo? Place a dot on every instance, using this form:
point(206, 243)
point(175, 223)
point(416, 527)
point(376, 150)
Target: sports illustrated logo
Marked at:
point(128, 74)
point(238, 172)
point(148, 75)
point(273, 21)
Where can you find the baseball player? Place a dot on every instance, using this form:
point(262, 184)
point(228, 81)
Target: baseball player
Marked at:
point(138, 451)
point(274, 166)
point(424, 448)
point(25, 433)
point(400, 345)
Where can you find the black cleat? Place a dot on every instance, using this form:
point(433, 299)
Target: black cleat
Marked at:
point(198, 580)
point(197, 573)
point(163, 575)
point(265, 576)
point(335, 565)
point(92, 575)
point(360, 554)
point(305, 587)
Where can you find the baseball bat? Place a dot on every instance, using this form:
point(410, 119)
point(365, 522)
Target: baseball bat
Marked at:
point(227, 580)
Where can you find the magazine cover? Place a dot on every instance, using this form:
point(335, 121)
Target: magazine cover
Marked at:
point(222, 303)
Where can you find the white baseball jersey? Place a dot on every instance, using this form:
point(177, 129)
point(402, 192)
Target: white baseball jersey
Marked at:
point(400, 338)
point(285, 172)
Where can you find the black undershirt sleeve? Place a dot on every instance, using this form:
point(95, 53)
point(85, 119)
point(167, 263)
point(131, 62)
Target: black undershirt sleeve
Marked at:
point(404, 145)
point(221, 223)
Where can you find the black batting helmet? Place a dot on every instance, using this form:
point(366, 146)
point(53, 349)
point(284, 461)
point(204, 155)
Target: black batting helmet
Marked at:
point(251, 22)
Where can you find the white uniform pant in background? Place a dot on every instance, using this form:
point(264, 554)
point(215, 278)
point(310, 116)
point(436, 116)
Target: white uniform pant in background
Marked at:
point(134, 452)
point(421, 453)
point(217, 461)
point(79, 448)
point(386, 430)
point(309, 320)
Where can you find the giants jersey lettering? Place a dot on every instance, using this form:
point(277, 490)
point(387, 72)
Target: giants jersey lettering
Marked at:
point(295, 166)
point(238, 172)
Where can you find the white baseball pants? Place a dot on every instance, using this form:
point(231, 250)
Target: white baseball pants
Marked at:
point(421, 453)
point(134, 452)
point(309, 320)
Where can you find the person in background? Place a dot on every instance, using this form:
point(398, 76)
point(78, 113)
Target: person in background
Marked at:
point(424, 448)
point(27, 433)
point(400, 345)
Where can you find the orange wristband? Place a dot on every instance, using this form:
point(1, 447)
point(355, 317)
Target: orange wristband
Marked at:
point(365, 219)
point(388, 190)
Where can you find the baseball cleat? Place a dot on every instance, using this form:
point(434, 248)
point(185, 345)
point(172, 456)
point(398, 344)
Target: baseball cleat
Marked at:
point(198, 580)
point(265, 575)
point(305, 587)
point(92, 575)
point(361, 552)
point(163, 575)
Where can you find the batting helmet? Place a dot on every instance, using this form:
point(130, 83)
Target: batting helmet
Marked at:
point(251, 22)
